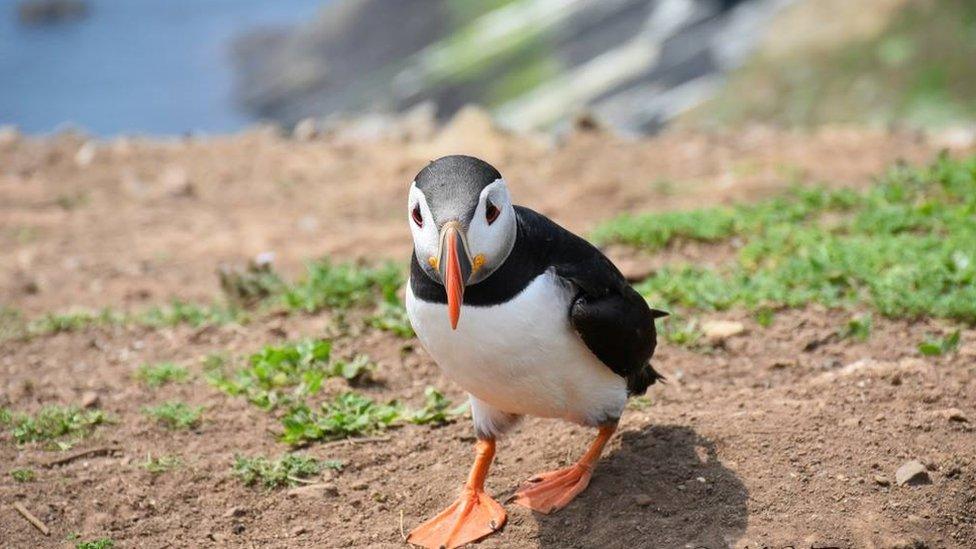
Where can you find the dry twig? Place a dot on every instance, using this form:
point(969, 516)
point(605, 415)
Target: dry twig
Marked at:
point(31, 518)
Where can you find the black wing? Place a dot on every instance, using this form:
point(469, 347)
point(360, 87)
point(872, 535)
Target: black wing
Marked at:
point(613, 320)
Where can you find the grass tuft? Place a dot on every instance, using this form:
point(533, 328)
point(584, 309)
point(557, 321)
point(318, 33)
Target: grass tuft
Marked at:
point(64, 425)
point(942, 345)
point(22, 475)
point(100, 543)
point(437, 410)
point(175, 415)
point(348, 415)
point(157, 375)
point(342, 285)
point(906, 248)
point(161, 464)
point(287, 470)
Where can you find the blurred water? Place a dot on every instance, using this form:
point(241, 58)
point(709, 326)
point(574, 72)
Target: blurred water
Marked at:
point(132, 66)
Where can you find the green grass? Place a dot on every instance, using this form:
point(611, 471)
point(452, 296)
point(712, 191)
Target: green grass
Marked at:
point(175, 415)
point(62, 425)
point(340, 286)
point(12, 323)
point(287, 470)
point(157, 375)
point(177, 312)
point(284, 375)
point(905, 248)
point(22, 475)
point(6, 416)
point(936, 346)
point(858, 328)
point(161, 464)
point(918, 70)
point(437, 409)
point(392, 317)
point(100, 543)
point(348, 415)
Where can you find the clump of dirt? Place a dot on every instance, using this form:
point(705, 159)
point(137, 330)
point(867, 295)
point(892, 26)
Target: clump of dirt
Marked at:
point(767, 437)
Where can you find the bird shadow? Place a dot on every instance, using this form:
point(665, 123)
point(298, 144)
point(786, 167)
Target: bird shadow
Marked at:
point(664, 487)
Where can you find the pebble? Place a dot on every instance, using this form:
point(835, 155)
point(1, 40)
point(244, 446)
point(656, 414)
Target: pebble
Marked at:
point(306, 130)
point(643, 500)
point(89, 399)
point(912, 473)
point(233, 512)
point(955, 414)
point(881, 480)
point(722, 329)
point(315, 491)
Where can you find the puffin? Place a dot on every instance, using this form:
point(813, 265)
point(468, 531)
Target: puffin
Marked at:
point(530, 320)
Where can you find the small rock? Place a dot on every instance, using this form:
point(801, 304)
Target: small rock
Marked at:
point(314, 491)
point(234, 512)
point(643, 500)
point(86, 153)
point(176, 182)
point(912, 473)
point(238, 529)
point(89, 399)
point(954, 414)
point(881, 480)
point(299, 530)
point(306, 130)
point(722, 329)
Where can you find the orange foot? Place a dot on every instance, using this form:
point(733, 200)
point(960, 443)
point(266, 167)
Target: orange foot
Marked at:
point(550, 492)
point(473, 516)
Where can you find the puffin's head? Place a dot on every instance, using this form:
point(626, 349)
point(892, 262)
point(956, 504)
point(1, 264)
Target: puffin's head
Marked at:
point(463, 224)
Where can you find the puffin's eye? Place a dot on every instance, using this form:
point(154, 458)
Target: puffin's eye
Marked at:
point(418, 218)
point(491, 212)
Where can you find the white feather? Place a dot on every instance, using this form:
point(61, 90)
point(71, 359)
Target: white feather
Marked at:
point(521, 357)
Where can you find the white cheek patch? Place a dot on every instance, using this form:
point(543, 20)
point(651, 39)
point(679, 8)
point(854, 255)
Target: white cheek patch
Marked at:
point(493, 242)
point(425, 237)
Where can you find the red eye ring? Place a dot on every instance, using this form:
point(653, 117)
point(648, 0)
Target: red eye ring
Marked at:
point(491, 212)
point(418, 218)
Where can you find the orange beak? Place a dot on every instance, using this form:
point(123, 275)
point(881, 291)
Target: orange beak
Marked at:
point(455, 268)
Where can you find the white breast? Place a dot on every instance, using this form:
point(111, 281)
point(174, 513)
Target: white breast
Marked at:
point(522, 356)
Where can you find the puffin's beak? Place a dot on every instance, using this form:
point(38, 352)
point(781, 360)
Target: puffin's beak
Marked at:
point(454, 264)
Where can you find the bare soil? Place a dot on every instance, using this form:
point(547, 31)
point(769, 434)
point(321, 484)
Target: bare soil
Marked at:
point(780, 436)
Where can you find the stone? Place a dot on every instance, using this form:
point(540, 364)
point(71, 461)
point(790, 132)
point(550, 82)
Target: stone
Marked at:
point(314, 491)
point(881, 480)
point(89, 399)
point(722, 329)
point(306, 130)
point(643, 500)
point(912, 473)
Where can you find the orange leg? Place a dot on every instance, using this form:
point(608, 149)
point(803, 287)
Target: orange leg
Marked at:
point(554, 490)
point(473, 516)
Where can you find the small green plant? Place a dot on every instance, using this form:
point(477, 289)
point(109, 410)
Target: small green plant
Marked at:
point(175, 415)
point(12, 323)
point(63, 424)
point(280, 374)
point(161, 464)
point(681, 330)
point(71, 321)
point(392, 317)
point(342, 285)
point(22, 475)
point(350, 414)
point(156, 375)
point(765, 316)
point(192, 314)
point(437, 409)
point(6, 416)
point(858, 328)
point(356, 370)
point(287, 470)
point(940, 346)
point(100, 543)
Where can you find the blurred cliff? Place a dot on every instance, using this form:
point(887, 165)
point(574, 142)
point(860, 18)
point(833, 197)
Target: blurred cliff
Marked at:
point(533, 64)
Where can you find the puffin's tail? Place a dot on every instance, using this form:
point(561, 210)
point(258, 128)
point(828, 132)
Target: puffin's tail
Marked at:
point(639, 381)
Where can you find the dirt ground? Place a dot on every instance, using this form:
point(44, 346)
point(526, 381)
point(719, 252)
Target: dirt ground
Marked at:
point(777, 437)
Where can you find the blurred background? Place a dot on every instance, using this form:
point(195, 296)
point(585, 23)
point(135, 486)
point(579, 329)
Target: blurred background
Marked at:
point(165, 67)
